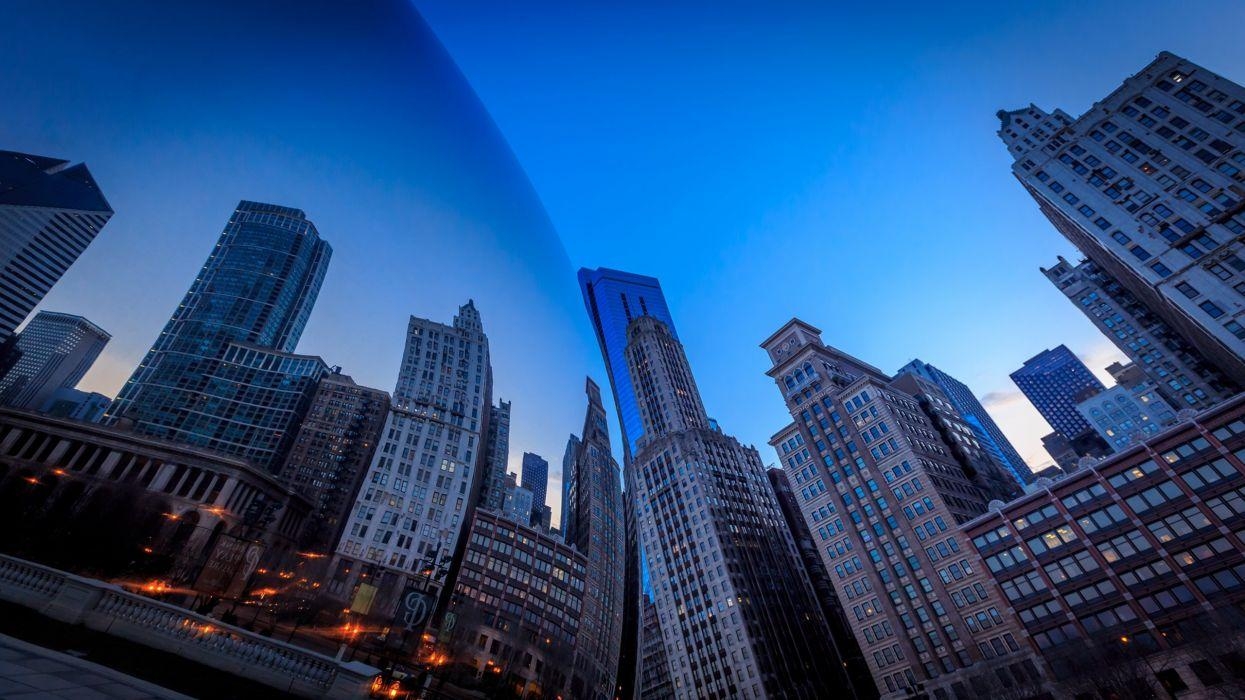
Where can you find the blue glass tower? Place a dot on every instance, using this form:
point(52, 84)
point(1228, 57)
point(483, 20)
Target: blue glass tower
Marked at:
point(613, 299)
point(235, 328)
point(1055, 381)
point(975, 415)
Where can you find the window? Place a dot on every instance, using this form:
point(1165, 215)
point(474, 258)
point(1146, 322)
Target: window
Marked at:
point(1211, 308)
point(1154, 496)
point(1187, 289)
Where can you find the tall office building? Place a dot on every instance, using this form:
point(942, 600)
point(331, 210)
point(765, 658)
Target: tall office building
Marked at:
point(855, 676)
point(737, 614)
point(1147, 185)
point(975, 415)
point(535, 473)
point(217, 365)
point(884, 496)
point(425, 473)
point(331, 452)
point(497, 456)
point(56, 350)
point(77, 405)
point(1184, 377)
point(50, 211)
point(516, 504)
point(1055, 381)
point(595, 526)
point(568, 484)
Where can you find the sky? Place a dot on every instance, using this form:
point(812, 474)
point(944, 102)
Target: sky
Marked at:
point(764, 160)
point(832, 161)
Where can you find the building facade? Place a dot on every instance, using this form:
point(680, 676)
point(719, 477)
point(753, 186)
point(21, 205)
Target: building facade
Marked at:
point(56, 350)
point(517, 502)
point(737, 615)
point(1147, 185)
point(1123, 416)
point(409, 514)
point(497, 445)
point(239, 322)
point(331, 452)
point(527, 639)
point(1144, 550)
point(988, 433)
point(1055, 381)
point(1184, 377)
point(535, 473)
point(50, 211)
point(594, 525)
point(884, 497)
point(77, 405)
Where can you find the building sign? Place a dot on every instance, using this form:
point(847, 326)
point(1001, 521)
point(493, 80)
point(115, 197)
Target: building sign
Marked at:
point(414, 610)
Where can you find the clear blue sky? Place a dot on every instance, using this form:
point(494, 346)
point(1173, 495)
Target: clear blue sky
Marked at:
point(765, 160)
point(778, 159)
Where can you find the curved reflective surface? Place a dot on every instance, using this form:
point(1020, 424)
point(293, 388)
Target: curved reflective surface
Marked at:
point(351, 112)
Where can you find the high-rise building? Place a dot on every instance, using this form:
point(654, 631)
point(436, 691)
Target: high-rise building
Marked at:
point(975, 415)
point(497, 446)
point(737, 614)
point(331, 452)
point(1124, 416)
point(50, 211)
point(568, 485)
point(855, 676)
point(409, 514)
point(56, 350)
point(884, 495)
point(1184, 377)
point(1147, 185)
point(1139, 555)
point(594, 525)
point(1055, 381)
point(86, 406)
point(535, 474)
point(517, 502)
point(218, 365)
point(614, 299)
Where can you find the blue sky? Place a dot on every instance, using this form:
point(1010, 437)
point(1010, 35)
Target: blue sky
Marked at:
point(765, 160)
point(770, 160)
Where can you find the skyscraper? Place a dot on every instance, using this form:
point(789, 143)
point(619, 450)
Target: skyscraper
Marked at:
point(50, 211)
point(975, 415)
point(497, 446)
point(242, 316)
point(1146, 184)
point(331, 452)
point(1055, 381)
point(1183, 376)
point(594, 524)
point(535, 475)
point(614, 299)
point(56, 350)
point(737, 614)
point(568, 484)
point(408, 516)
point(884, 495)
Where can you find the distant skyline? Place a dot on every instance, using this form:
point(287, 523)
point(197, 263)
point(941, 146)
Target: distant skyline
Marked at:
point(762, 162)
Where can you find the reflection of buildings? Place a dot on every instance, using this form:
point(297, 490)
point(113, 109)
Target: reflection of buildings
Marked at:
point(1145, 547)
point(500, 625)
point(593, 523)
point(331, 452)
point(975, 415)
point(50, 212)
point(737, 614)
point(208, 510)
point(221, 374)
point(884, 495)
point(428, 465)
point(56, 350)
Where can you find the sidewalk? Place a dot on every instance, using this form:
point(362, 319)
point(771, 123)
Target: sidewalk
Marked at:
point(29, 671)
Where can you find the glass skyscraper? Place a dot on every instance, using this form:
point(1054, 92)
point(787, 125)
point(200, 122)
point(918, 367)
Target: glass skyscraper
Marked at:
point(1055, 381)
point(974, 414)
point(49, 212)
point(55, 351)
point(216, 376)
point(614, 298)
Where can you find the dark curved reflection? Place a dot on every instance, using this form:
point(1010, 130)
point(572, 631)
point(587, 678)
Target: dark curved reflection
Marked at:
point(351, 112)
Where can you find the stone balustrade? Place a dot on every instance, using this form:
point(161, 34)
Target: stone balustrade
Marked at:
point(110, 609)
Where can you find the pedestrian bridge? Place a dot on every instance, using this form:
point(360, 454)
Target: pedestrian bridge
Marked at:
point(109, 609)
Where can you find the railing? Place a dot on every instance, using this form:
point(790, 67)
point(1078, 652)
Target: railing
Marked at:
point(110, 609)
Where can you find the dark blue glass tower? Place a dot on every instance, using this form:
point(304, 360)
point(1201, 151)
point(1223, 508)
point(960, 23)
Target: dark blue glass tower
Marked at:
point(975, 415)
point(1055, 381)
point(235, 327)
point(613, 299)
